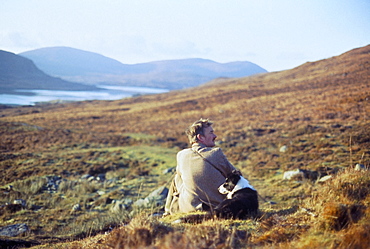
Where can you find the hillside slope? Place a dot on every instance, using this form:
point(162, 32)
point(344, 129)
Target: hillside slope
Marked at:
point(326, 91)
point(17, 72)
point(313, 117)
point(87, 67)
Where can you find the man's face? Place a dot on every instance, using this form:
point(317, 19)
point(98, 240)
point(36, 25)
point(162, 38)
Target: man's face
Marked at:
point(209, 137)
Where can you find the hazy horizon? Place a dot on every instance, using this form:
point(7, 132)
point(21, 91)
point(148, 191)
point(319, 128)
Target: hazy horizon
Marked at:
point(275, 35)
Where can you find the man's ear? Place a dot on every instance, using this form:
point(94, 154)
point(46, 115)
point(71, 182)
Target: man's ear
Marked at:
point(199, 137)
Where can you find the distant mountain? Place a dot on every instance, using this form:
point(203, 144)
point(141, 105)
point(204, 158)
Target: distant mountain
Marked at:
point(63, 61)
point(17, 72)
point(91, 68)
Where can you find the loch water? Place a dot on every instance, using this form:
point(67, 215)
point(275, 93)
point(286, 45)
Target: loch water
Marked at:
point(107, 92)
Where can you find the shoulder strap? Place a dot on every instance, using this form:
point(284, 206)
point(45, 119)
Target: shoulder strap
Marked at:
point(205, 159)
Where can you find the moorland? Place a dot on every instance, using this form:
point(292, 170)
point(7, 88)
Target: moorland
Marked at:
point(318, 112)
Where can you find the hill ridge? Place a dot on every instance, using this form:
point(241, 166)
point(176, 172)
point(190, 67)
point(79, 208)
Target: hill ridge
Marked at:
point(92, 68)
point(17, 72)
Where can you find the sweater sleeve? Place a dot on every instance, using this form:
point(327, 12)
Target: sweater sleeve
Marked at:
point(219, 160)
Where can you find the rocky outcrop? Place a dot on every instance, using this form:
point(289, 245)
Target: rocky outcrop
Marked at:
point(156, 198)
point(313, 175)
point(13, 230)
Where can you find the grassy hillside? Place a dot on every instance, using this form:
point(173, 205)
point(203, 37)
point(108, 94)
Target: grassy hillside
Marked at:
point(319, 111)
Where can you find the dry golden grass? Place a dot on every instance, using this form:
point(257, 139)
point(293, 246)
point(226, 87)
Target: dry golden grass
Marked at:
point(317, 223)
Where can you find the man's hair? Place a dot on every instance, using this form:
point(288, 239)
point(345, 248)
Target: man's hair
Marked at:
point(197, 128)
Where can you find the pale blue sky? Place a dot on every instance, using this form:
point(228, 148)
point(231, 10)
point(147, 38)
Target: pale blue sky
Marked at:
point(275, 34)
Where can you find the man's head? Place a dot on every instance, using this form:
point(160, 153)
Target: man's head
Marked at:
point(201, 131)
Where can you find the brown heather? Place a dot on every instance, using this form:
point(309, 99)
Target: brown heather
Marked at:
point(319, 110)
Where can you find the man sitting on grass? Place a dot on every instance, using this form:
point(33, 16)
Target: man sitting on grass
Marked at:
point(200, 170)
